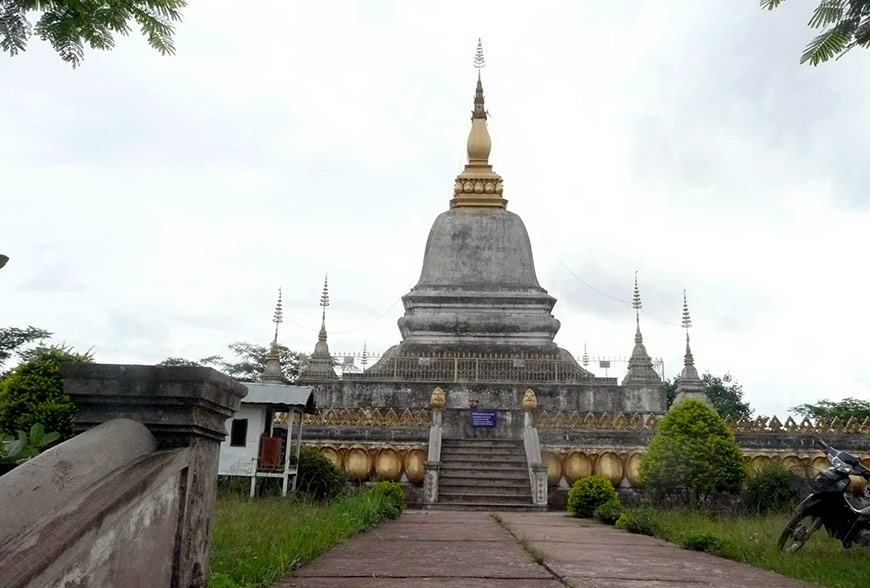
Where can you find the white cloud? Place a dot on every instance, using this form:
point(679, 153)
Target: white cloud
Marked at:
point(153, 205)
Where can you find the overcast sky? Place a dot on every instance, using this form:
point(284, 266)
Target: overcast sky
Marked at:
point(152, 206)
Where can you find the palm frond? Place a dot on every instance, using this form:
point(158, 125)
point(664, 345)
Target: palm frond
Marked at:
point(830, 43)
point(827, 12)
point(771, 4)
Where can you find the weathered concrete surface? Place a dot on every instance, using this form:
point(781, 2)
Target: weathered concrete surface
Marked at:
point(440, 549)
point(429, 548)
point(587, 554)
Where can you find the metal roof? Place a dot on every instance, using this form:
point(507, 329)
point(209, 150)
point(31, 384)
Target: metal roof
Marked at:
point(280, 394)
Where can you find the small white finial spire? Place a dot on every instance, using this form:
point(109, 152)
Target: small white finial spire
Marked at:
point(687, 323)
point(278, 317)
point(636, 304)
point(272, 371)
point(585, 356)
point(365, 356)
point(324, 302)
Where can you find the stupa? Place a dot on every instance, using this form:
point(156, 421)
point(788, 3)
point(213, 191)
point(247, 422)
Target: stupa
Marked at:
point(478, 292)
point(478, 324)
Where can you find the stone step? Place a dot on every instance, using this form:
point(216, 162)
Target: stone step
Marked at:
point(462, 450)
point(475, 475)
point(472, 494)
point(481, 443)
point(468, 482)
point(473, 460)
point(483, 469)
point(485, 498)
point(484, 507)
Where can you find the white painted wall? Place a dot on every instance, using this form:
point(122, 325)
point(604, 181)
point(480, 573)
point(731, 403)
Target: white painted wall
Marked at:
point(239, 460)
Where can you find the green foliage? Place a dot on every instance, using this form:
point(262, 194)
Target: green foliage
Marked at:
point(318, 478)
point(846, 25)
point(609, 512)
point(70, 25)
point(258, 542)
point(770, 489)
point(828, 409)
point(33, 392)
point(707, 542)
point(692, 455)
point(725, 393)
point(753, 540)
point(641, 520)
point(25, 446)
point(249, 363)
point(394, 493)
point(13, 339)
point(589, 493)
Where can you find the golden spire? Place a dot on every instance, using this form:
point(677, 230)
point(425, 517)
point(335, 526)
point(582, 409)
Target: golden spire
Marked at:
point(478, 186)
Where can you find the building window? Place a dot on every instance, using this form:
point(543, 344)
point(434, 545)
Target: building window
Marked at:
point(239, 433)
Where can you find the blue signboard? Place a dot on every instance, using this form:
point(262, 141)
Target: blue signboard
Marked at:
point(483, 419)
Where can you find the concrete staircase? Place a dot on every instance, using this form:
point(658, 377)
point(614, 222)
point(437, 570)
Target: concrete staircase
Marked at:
point(484, 474)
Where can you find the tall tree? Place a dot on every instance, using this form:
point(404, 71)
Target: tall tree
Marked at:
point(846, 25)
point(69, 25)
point(13, 340)
point(725, 393)
point(33, 392)
point(828, 409)
point(249, 363)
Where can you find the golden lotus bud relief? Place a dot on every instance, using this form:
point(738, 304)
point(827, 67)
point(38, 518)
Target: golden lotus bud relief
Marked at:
point(530, 401)
point(437, 399)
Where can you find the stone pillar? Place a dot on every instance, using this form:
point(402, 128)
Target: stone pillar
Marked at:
point(433, 463)
point(537, 469)
point(430, 482)
point(181, 407)
point(539, 484)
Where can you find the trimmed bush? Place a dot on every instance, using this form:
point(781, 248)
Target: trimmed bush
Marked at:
point(318, 478)
point(692, 455)
point(770, 489)
point(589, 493)
point(393, 492)
point(609, 512)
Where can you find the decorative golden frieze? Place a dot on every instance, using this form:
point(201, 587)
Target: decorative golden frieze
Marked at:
point(771, 425)
point(369, 417)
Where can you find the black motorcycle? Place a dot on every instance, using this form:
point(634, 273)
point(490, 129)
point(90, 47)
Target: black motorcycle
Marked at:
point(828, 506)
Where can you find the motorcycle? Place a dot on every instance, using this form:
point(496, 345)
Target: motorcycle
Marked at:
point(828, 506)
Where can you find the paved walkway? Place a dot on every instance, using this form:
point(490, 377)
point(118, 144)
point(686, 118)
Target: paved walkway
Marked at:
point(439, 549)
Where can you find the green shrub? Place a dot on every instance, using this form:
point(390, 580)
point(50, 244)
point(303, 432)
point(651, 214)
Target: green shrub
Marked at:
point(589, 493)
point(641, 520)
point(16, 450)
point(609, 512)
point(770, 489)
point(393, 492)
point(692, 455)
point(707, 542)
point(318, 478)
point(33, 392)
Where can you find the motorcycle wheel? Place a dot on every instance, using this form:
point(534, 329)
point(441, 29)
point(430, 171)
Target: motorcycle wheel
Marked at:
point(798, 531)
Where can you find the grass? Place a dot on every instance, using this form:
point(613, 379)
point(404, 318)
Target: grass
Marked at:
point(753, 540)
point(257, 542)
